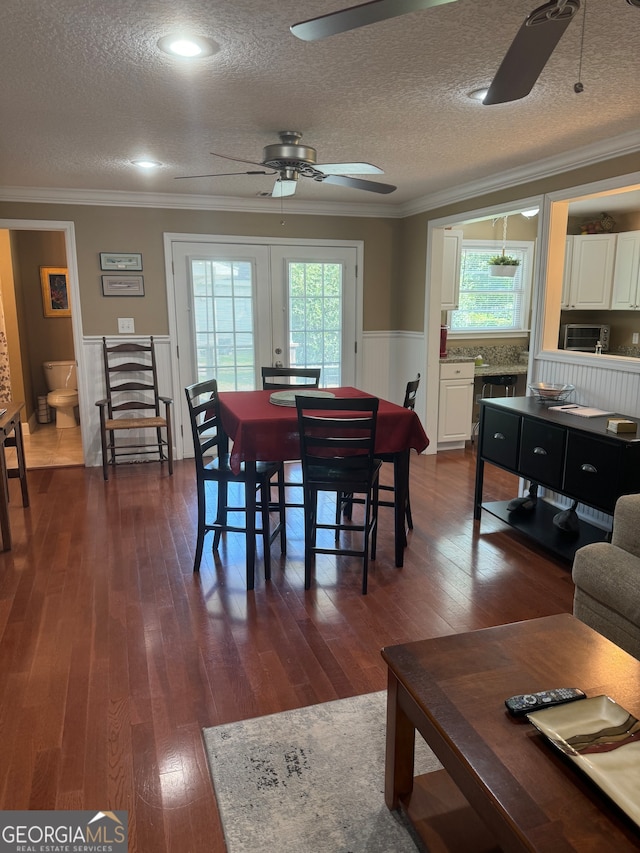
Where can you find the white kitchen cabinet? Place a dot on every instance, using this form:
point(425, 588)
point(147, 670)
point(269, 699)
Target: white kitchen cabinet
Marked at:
point(452, 252)
point(626, 272)
point(455, 409)
point(591, 278)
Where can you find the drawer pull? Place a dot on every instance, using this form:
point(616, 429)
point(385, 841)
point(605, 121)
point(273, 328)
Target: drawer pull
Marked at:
point(588, 468)
point(499, 436)
point(539, 451)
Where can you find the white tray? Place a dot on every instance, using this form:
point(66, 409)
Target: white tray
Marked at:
point(603, 740)
point(288, 398)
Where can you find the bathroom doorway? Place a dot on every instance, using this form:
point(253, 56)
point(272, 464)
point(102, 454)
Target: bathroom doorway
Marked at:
point(33, 338)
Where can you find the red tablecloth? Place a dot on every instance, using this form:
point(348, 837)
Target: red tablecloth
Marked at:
point(263, 432)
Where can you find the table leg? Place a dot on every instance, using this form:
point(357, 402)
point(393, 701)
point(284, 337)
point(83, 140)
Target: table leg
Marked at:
point(400, 748)
point(250, 503)
point(401, 486)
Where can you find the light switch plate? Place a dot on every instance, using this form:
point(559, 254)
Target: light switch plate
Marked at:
point(634, 337)
point(126, 326)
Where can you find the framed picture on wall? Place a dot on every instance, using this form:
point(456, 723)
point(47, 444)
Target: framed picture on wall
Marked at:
point(55, 291)
point(130, 261)
point(122, 285)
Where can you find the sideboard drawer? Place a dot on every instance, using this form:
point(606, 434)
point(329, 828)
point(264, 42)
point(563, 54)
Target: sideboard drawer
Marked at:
point(500, 437)
point(542, 453)
point(592, 470)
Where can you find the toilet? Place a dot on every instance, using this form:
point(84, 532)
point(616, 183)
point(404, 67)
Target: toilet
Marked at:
point(63, 391)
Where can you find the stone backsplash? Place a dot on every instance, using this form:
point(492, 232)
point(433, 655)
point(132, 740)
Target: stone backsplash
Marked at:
point(630, 352)
point(491, 355)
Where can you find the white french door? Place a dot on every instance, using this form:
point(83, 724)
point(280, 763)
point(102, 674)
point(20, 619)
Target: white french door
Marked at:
point(239, 306)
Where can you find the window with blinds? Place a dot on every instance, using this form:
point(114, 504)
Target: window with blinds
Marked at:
point(492, 304)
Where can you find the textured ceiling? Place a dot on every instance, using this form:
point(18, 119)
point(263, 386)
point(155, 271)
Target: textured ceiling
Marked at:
point(85, 90)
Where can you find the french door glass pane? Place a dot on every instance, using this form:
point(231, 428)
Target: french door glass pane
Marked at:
point(315, 318)
point(224, 322)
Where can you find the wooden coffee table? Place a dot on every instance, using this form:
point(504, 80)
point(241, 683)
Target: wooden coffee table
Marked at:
point(503, 786)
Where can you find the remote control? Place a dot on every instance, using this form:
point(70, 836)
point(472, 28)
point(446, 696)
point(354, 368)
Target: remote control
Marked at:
point(526, 703)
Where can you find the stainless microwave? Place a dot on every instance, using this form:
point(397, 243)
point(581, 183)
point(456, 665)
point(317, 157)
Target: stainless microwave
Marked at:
point(584, 337)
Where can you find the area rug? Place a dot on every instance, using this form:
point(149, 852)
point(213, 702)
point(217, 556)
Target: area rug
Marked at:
point(309, 780)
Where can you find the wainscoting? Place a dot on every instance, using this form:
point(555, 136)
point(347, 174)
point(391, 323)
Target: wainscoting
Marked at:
point(388, 360)
point(607, 382)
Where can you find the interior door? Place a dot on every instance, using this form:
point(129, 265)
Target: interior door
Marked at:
point(240, 306)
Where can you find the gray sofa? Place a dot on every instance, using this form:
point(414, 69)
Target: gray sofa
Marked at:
point(607, 579)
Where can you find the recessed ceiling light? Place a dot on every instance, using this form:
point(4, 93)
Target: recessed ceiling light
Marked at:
point(478, 94)
point(146, 164)
point(188, 47)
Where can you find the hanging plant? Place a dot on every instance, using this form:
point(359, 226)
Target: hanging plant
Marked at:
point(503, 265)
point(503, 260)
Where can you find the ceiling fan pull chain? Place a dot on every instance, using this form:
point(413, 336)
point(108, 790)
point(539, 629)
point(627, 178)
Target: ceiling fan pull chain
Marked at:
point(579, 87)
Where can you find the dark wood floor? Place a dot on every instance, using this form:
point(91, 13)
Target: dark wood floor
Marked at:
point(114, 656)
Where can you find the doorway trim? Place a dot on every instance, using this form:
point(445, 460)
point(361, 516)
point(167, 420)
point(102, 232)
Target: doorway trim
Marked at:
point(68, 229)
point(433, 300)
point(170, 237)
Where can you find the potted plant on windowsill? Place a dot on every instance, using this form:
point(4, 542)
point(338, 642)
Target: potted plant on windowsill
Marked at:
point(503, 265)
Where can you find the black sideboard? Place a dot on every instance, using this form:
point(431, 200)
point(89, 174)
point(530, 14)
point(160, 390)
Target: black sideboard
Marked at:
point(571, 455)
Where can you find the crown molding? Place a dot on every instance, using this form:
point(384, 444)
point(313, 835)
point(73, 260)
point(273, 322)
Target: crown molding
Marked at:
point(588, 155)
point(181, 201)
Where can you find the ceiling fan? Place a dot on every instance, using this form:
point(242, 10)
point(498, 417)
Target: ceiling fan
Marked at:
point(530, 51)
point(290, 161)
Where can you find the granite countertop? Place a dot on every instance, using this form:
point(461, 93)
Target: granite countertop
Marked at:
point(501, 369)
point(517, 369)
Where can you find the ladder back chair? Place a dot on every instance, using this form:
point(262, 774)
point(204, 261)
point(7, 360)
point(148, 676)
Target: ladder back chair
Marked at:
point(285, 378)
point(212, 461)
point(132, 403)
point(337, 440)
point(288, 379)
point(409, 403)
point(347, 500)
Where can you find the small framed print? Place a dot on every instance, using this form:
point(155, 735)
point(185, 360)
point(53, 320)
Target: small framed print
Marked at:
point(55, 291)
point(130, 261)
point(122, 285)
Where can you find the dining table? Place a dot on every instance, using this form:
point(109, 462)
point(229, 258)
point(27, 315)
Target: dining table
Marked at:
point(262, 431)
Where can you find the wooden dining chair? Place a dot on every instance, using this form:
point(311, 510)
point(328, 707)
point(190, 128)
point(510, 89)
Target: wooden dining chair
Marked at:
point(285, 378)
point(212, 461)
point(409, 403)
point(133, 404)
point(288, 379)
point(347, 500)
point(337, 440)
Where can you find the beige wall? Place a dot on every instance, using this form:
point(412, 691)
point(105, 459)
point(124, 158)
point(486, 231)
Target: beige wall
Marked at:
point(119, 229)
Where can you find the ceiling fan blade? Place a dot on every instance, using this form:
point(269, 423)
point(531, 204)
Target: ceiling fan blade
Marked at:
point(359, 16)
point(222, 175)
point(283, 188)
point(348, 169)
point(357, 184)
point(236, 159)
point(530, 51)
